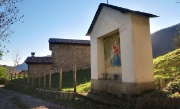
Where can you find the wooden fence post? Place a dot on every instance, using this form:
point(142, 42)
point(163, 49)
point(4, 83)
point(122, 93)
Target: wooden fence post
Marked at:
point(19, 76)
point(74, 77)
point(11, 76)
point(28, 77)
point(33, 81)
point(60, 79)
point(44, 80)
point(39, 81)
point(50, 80)
point(23, 77)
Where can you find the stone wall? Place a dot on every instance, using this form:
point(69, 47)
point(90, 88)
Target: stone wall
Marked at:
point(36, 70)
point(66, 55)
point(56, 94)
point(118, 88)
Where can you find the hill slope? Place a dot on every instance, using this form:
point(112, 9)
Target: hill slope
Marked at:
point(167, 70)
point(162, 40)
point(22, 66)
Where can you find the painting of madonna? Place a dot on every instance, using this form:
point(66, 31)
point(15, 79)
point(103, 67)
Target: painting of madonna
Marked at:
point(112, 55)
point(112, 52)
point(115, 51)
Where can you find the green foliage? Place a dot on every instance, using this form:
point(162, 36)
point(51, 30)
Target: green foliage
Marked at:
point(3, 75)
point(167, 70)
point(176, 41)
point(173, 87)
point(1, 54)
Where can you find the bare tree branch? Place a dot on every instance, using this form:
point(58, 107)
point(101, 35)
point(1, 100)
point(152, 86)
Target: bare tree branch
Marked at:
point(8, 16)
point(16, 58)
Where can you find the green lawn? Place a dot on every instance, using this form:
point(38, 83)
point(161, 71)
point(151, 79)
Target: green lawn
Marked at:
point(83, 77)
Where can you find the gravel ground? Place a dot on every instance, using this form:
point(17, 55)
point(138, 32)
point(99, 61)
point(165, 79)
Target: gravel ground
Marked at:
point(14, 100)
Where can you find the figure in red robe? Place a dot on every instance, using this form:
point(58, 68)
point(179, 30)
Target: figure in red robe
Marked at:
point(115, 58)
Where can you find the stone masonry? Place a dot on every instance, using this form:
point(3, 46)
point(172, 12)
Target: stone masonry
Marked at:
point(66, 55)
point(37, 66)
point(36, 70)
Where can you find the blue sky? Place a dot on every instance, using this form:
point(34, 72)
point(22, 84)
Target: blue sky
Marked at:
point(44, 19)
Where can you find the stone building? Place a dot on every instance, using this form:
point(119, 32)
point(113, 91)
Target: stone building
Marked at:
point(65, 53)
point(37, 66)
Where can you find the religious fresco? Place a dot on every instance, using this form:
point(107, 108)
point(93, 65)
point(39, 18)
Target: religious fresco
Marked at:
point(112, 51)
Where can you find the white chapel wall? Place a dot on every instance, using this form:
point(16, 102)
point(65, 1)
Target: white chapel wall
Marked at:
point(110, 20)
point(142, 49)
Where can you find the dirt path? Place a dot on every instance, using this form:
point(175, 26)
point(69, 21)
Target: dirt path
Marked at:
point(14, 100)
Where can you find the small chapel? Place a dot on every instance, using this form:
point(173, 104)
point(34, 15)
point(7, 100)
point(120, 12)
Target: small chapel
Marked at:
point(121, 50)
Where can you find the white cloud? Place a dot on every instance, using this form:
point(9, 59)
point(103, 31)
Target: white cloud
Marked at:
point(8, 63)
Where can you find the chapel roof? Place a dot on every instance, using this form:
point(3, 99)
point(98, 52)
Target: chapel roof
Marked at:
point(122, 10)
point(68, 41)
point(38, 60)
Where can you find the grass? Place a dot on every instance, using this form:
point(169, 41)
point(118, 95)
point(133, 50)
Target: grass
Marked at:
point(168, 65)
point(86, 87)
point(167, 75)
point(167, 71)
point(83, 77)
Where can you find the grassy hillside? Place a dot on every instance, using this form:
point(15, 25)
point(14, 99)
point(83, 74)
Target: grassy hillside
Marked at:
point(167, 69)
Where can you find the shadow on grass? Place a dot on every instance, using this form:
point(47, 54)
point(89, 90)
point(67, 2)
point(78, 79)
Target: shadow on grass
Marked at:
point(83, 76)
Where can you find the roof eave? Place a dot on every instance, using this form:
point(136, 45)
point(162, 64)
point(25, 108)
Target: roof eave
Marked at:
point(115, 7)
point(88, 34)
point(154, 16)
point(38, 63)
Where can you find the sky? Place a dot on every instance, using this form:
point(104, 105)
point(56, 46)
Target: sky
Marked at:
point(70, 19)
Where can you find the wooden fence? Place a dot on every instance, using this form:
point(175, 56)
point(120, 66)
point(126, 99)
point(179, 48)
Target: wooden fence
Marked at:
point(31, 83)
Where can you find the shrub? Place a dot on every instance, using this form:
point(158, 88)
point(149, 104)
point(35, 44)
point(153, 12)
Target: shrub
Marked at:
point(3, 75)
point(174, 87)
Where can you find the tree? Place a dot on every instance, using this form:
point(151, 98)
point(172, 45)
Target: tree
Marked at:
point(16, 58)
point(3, 75)
point(8, 16)
point(0, 54)
point(177, 41)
